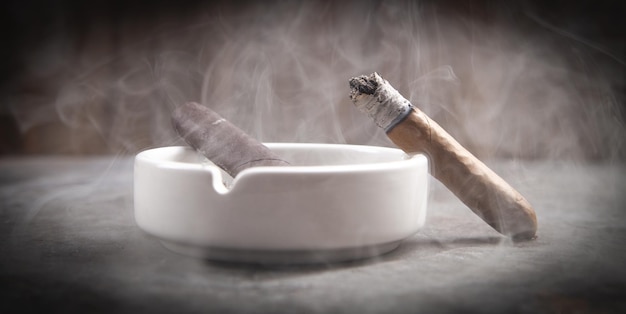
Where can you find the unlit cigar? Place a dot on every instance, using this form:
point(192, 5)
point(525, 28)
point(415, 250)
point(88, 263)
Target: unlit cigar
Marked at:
point(220, 141)
point(481, 189)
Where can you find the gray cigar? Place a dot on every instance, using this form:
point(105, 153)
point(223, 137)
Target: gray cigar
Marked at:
point(220, 141)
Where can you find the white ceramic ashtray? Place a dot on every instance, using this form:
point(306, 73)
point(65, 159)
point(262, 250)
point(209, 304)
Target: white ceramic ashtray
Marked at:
point(335, 203)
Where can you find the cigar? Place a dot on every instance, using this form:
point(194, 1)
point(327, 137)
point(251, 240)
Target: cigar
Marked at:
point(477, 186)
point(220, 141)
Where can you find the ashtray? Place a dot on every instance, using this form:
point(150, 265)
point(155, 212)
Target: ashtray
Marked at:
point(335, 203)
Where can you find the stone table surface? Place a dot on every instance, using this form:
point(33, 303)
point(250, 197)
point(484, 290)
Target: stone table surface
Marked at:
point(69, 243)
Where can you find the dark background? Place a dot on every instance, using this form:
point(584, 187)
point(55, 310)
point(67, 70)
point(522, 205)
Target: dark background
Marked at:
point(528, 79)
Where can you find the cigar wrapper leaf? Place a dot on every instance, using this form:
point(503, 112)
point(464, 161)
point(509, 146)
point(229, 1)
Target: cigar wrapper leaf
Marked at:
point(477, 186)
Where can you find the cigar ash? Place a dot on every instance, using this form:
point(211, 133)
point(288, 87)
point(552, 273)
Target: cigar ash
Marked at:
point(378, 99)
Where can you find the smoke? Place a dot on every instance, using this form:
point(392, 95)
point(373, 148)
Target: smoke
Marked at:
point(506, 81)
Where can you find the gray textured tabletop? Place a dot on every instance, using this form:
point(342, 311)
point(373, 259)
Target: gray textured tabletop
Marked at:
point(69, 243)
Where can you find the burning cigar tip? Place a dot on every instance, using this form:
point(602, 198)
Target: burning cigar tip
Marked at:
point(374, 96)
point(364, 84)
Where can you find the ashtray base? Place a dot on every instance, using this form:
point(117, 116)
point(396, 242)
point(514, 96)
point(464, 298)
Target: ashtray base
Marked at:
point(281, 256)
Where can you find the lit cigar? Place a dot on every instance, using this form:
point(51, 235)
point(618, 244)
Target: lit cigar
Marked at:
point(220, 141)
point(477, 186)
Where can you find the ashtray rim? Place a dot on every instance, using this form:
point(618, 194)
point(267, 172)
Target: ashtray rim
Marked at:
point(148, 156)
